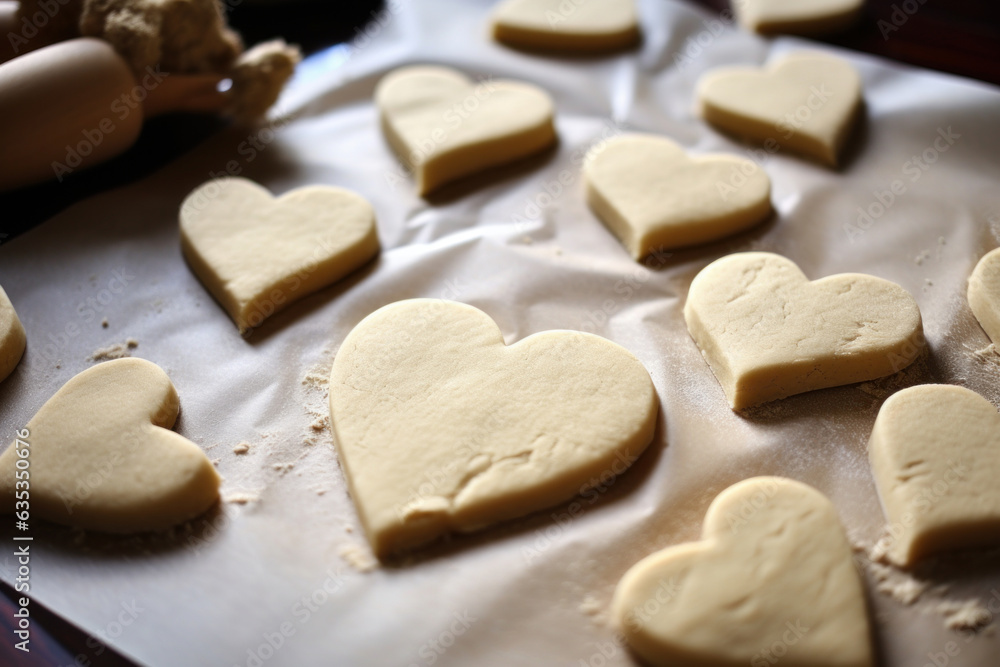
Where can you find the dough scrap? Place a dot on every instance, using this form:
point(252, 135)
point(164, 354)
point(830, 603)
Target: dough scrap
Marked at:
point(556, 25)
point(984, 294)
point(804, 102)
point(13, 339)
point(442, 427)
point(795, 17)
point(773, 567)
point(767, 332)
point(102, 456)
point(172, 36)
point(653, 196)
point(257, 254)
point(935, 454)
point(443, 126)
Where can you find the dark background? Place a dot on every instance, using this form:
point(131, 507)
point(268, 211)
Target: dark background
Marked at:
point(957, 36)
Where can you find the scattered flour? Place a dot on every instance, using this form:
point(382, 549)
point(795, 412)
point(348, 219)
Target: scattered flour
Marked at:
point(965, 615)
point(358, 557)
point(116, 351)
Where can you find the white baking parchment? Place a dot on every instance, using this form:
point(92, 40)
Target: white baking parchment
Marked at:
point(279, 575)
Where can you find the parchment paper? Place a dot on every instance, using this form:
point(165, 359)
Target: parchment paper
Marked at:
point(278, 567)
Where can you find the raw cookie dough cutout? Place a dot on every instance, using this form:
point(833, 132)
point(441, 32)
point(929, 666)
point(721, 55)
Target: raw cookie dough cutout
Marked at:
point(767, 332)
point(653, 196)
point(773, 567)
point(257, 254)
point(102, 456)
point(984, 294)
point(797, 17)
point(935, 454)
point(443, 126)
point(12, 337)
point(804, 102)
point(593, 26)
point(442, 427)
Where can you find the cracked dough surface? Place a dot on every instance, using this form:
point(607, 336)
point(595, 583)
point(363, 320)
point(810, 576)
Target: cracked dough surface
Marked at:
point(767, 332)
point(103, 457)
point(653, 196)
point(984, 294)
point(257, 254)
point(803, 102)
point(557, 25)
point(935, 454)
point(443, 126)
point(773, 567)
point(12, 337)
point(442, 427)
point(798, 17)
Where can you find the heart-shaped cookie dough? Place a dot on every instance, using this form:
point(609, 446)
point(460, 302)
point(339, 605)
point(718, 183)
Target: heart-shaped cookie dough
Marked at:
point(101, 456)
point(935, 454)
point(797, 17)
point(441, 427)
point(806, 103)
point(772, 578)
point(767, 332)
point(443, 126)
point(653, 196)
point(12, 337)
point(984, 294)
point(257, 254)
point(557, 25)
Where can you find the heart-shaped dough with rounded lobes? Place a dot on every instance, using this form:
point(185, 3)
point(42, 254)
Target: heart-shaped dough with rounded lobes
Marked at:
point(442, 427)
point(557, 25)
point(805, 102)
point(257, 254)
point(653, 196)
point(772, 578)
point(795, 17)
point(101, 456)
point(12, 337)
point(767, 332)
point(935, 454)
point(984, 294)
point(443, 126)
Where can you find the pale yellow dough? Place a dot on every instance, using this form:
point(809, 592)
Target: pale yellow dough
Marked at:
point(257, 254)
point(102, 457)
point(441, 427)
point(804, 102)
point(443, 126)
point(583, 26)
point(767, 332)
point(12, 337)
point(653, 196)
point(984, 294)
point(797, 17)
point(772, 580)
point(935, 454)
